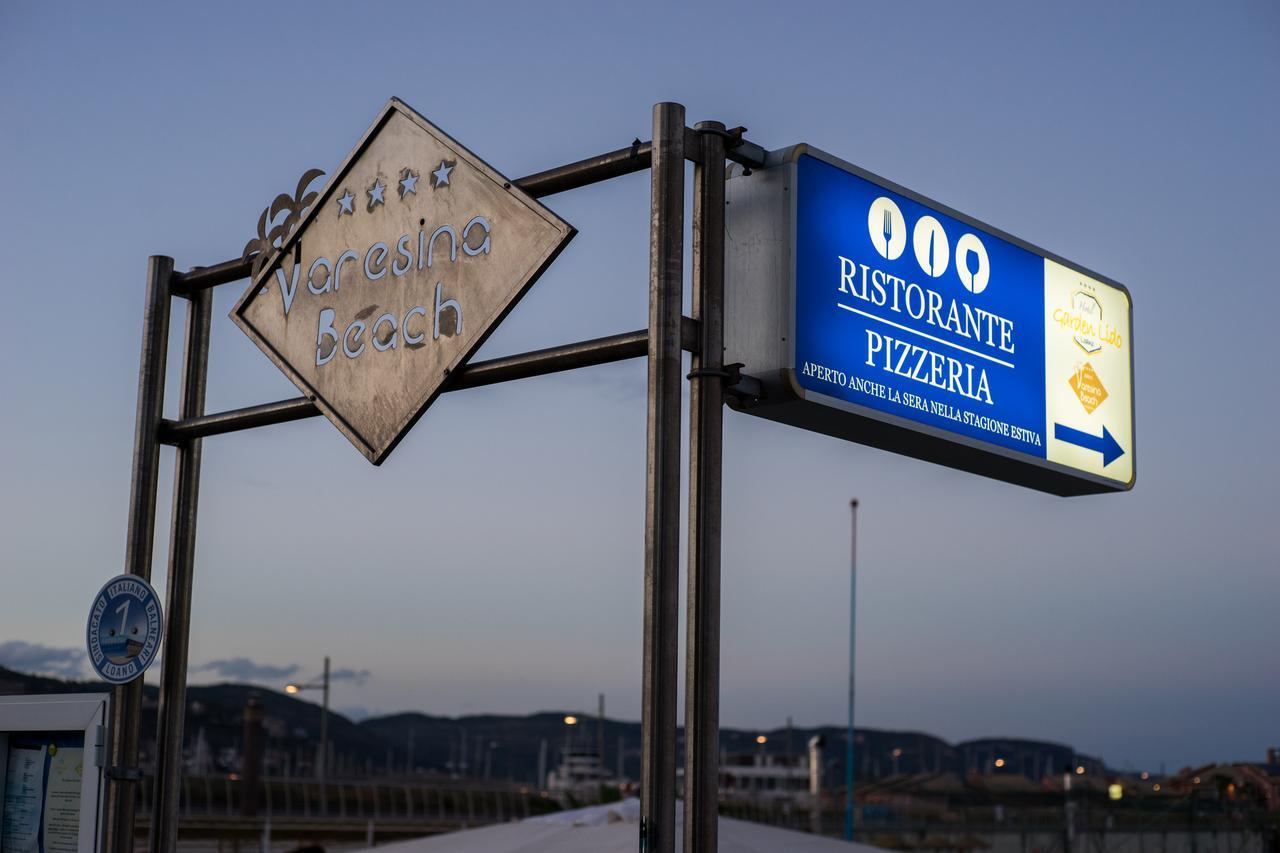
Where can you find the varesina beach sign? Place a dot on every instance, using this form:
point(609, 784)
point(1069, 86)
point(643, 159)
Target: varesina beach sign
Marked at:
point(871, 313)
point(397, 271)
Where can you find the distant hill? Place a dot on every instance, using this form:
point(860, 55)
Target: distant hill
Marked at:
point(508, 746)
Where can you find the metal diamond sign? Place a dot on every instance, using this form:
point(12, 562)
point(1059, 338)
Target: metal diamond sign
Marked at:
point(402, 266)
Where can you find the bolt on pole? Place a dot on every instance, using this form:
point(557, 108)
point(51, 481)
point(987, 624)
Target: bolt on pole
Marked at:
point(849, 749)
point(662, 486)
point(706, 458)
point(323, 765)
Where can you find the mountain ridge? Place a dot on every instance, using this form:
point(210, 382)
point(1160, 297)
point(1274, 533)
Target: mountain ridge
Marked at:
point(510, 746)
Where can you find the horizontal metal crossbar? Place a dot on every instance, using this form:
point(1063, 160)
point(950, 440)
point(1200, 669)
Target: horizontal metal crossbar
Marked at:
point(282, 411)
point(202, 278)
point(747, 153)
point(522, 366)
point(624, 161)
point(635, 158)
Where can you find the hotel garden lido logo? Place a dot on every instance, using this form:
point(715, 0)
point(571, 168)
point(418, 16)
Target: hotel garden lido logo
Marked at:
point(888, 230)
point(1089, 311)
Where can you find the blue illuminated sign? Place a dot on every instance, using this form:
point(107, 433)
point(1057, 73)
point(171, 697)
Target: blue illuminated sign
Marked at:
point(905, 312)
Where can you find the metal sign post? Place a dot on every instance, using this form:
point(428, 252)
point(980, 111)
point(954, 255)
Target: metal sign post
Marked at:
point(669, 334)
point(182, 551)
point(662, 484)
point(851, 744)
point(706, 413)
point(126, 700)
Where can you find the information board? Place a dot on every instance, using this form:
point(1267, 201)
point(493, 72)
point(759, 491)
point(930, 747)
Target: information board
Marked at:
point(50, 772)
point(872, 313)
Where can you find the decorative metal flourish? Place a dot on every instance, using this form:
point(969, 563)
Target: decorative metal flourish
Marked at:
point(273, 228)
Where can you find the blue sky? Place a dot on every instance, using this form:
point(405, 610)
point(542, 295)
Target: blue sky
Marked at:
point(494, 562)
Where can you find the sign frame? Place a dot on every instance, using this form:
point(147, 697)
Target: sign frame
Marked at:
point(760, 333)
point(81, 713)
point(669, 333)
point(261, 279)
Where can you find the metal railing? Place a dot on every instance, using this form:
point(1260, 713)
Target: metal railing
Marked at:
point(445, 802)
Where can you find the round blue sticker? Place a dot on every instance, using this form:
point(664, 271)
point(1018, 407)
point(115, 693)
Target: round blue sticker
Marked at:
point(125, 625)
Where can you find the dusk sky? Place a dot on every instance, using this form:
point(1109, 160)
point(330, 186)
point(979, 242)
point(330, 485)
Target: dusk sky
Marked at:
point(494, 562)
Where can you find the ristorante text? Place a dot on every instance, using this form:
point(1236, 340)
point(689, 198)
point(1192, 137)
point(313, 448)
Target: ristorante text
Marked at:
point(916, 357)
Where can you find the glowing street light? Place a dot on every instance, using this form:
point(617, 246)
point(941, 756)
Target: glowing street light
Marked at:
point(1080, 770)
point(293, 689)
point(569, 722)
point(999, 762)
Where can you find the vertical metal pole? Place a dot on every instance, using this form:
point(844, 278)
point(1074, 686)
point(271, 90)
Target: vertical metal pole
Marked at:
point(600, 734)
point(126, 700)
point(182, 552)
point(1068, 815)
point(706, 413)
point(662, 487)
point(853, 625)
point(323, 766)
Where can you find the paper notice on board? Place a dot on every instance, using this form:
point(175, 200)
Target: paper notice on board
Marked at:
point(62, 800)
point(23, 791)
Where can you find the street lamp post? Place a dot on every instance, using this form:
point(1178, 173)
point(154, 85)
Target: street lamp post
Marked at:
point(758, 784)
point(324, 724)
point(322, 685)
point(569, 722)
point(853, 622)
point(488, 758)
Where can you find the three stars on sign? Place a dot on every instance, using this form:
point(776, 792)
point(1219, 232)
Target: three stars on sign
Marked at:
point(406, 185)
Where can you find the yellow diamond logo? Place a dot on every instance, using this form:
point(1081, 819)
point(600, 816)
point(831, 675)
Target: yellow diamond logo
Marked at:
point(1088, 387)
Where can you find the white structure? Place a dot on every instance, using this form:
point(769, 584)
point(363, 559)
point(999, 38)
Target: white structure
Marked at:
point(613, 829)
point(815, 766)
point(579, 774)
point(760, 776)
